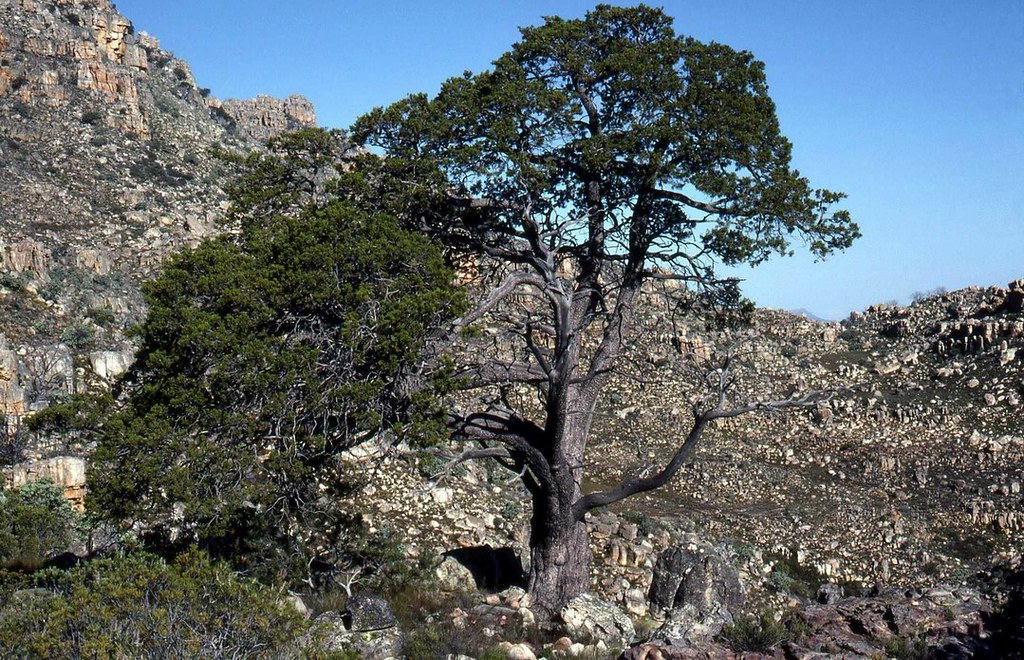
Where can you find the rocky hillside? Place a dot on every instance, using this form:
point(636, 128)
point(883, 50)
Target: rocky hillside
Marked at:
point(106, 167)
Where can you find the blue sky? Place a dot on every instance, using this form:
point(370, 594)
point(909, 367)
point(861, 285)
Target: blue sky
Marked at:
point(915, 109)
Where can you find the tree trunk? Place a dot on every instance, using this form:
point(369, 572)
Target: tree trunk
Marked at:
point(560, 560)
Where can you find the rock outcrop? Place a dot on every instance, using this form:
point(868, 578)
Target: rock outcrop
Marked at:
point(263, 117)
point(106, 168)
point(697, 588)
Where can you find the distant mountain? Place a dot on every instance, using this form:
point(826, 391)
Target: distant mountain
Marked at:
point(810, 315)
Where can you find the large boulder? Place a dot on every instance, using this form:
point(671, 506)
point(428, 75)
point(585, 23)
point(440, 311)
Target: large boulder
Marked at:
point(697, 587)
point(366, 613)
point(589, 617)
point(367, 626)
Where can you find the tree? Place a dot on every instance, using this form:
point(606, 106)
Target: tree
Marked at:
point(264, 355)
point(36, 523)
point(599, 154)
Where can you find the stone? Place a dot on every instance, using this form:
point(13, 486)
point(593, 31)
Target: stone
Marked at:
point(829, 593)
point(368, 626)
point(697, 587)
point(454, 576)
point(109, 365)
point(517, 651)
point(589, 616)
point(366, 613)
point(635, 602)
point(263, 117)
point(299, 604)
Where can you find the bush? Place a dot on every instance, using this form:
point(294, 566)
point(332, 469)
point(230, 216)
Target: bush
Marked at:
point(36, 523)
point(138, 606)
point(92, 117)
point(101, 316)
point(14, 281)
point(756, 634)
point(79, 336)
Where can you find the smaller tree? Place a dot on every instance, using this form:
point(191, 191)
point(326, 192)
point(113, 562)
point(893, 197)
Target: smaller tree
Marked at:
point(36, 523)
point(265, 355)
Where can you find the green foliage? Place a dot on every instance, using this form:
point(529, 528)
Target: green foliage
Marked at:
point(139, 606)
point(511, 510)
point(72, 419)
point(755, 634)
point(645, 525)
point(619, 136)
point(36, 523)
point(790, 576)
point(14, 281)
point(907, 648)
point(91, 116)
point(262, 358)
point(101, 316)
point(79, 336)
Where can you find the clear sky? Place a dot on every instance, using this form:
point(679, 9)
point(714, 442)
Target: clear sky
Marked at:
point(913, 108)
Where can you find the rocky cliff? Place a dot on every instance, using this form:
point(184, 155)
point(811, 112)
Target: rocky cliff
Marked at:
point(106, 167)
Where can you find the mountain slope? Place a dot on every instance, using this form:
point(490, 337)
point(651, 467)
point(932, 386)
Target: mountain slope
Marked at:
point(106, 167)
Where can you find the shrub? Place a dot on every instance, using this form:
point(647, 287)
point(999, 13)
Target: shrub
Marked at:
point(262, 358)
point(789, 575)
point(101, 316)
point(79, 336)
point(139, 606)
point(757, 634)
point(14, 281)
point(36, 523)
point(92, 117)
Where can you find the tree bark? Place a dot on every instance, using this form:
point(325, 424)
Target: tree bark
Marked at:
point(560, 560)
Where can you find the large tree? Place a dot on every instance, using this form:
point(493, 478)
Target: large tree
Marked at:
point(597, 154)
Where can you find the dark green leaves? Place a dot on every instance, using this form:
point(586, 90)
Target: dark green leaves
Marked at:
point(620, 138)
point(266, 354)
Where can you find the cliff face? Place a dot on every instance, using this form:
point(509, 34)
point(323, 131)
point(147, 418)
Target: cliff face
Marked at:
point(106, 167)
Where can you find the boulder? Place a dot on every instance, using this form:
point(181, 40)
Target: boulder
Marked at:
point(829, 593)
point(365, 613)
point(108, 365)
point(697, 587)
point(588, 616)
point(368, 626)
point(517, 651)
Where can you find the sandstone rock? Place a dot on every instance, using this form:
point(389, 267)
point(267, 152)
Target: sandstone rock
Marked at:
point(263, 117)
point(588, 616)
point(829, 593)
point(68, 472)
point(299, 605)
point(109, 365)
point(365, 612)
point(453, 575)
point(367, 626)
point(27, 256)
point(517, 651)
